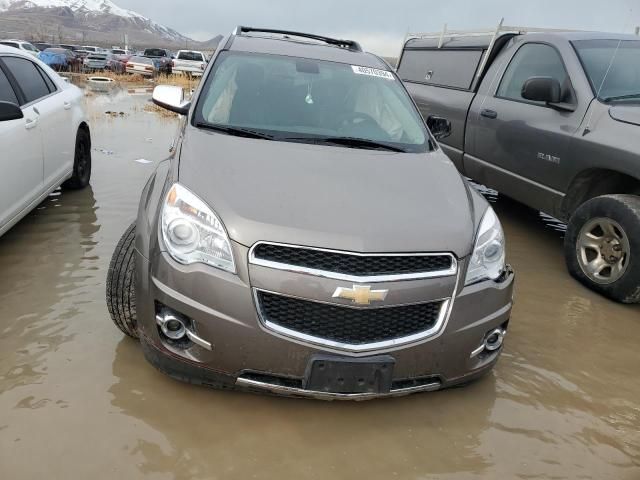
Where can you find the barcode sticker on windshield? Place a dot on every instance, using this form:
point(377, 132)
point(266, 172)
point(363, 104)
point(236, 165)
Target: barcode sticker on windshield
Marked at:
point(372, 72)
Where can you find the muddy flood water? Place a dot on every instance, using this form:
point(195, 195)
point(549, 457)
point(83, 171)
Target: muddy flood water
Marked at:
point(78, 401)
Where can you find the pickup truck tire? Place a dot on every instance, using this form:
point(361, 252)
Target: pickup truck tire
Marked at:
point(81, 162)
point(121, 295)
point(602, 246)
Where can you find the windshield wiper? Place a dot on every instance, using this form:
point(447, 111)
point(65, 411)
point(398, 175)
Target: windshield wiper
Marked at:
point(350, 142)
point(237, 131)
point(621, 97)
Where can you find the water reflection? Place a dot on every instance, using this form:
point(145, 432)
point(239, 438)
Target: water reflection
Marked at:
point(205, 431)
point(563, 401)
point(47, 266)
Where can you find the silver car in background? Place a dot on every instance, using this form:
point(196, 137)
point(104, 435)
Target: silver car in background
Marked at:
point(96, 61)
point(141, 66)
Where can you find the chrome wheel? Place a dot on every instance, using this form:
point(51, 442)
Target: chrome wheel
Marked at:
point(603, 250)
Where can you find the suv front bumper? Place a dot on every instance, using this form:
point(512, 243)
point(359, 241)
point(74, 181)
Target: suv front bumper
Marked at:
point(244, 354)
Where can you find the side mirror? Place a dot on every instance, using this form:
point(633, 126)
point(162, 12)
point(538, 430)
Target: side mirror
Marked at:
point(542, 89)
point(171, 98)
point(10, 111)
point(440, 127)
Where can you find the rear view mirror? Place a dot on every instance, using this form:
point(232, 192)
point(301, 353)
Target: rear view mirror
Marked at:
point(542, 89)
point(440, 127)
point(171, 98)
point(10, 111)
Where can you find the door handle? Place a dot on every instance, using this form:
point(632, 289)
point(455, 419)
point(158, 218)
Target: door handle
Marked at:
point(67, 105)
point(31, 123)
point(485, 112)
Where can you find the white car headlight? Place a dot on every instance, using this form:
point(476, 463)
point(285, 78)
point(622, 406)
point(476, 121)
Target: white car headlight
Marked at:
point(488, 258)
point(193, 233)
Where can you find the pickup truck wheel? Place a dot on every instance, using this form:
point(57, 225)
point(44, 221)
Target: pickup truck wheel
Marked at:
point(81, 162)
point(602, 246)
point(121, 295)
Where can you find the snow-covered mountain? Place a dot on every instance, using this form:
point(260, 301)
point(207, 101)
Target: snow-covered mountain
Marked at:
point(93, 6)
point(92, 15)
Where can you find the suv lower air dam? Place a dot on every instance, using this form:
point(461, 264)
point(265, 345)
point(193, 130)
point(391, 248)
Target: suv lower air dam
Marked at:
point(298, 242)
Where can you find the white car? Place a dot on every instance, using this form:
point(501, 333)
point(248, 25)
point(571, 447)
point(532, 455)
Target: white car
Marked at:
point(44, 135)
point(21, 45)
point(141, 66)
point(189, 62)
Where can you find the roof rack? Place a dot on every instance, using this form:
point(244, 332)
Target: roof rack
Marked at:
point(501, 29)
point(349, 44)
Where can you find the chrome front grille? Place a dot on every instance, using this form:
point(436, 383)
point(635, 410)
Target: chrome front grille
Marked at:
point(352, 266)
point(349, 328)
point(414, 295)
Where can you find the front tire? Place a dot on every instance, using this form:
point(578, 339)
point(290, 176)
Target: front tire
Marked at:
point(602, 246)
point(121, 294)
point(81, 162)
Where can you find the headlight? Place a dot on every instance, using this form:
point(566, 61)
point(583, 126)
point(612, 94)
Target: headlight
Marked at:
point(193, 233)
point(488, 258)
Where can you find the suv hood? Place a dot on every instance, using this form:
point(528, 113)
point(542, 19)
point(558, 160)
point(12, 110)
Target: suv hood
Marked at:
point(329, 197)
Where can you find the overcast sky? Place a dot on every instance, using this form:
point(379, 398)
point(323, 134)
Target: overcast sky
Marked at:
point(381, 24)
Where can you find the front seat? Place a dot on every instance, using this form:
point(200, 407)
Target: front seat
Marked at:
point(248, 106)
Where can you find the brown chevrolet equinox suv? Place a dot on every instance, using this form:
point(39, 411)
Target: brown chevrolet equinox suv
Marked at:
point(308, 237)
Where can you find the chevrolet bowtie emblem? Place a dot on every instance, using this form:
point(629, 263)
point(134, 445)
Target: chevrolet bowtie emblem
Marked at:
point(362, 295)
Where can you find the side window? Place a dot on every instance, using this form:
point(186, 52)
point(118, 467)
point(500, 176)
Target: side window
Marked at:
point(28, 77)
point(50, 85)
point(531, 60)
point(443, 67)
point(6, 91)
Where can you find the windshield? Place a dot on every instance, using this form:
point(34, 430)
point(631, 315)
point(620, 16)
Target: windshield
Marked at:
point(194, 56)
point(296, 99)
point(613, 67)
point(154, 52)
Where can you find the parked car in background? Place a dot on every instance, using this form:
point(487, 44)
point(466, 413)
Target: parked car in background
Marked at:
point(119, 51)
point(96, 61)
point(91, 48)
point(309, 221)
point(61, 59)
point(118, 63)
point(81, 53)
point(189, 62)
point(44, 135)
point(142, 66)
point(552, 120)
point(162, 59)
point(42, 46)
point(21, 45)
point(73, 48)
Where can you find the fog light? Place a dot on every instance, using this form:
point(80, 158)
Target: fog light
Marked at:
point(494, 340)
point(172, 326)
point(177, 327)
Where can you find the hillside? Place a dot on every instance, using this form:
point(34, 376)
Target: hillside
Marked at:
point(84, 22)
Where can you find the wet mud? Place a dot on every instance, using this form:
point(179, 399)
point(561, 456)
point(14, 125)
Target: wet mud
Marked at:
point(77, 399)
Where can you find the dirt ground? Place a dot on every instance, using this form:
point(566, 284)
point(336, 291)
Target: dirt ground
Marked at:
point(78, 401)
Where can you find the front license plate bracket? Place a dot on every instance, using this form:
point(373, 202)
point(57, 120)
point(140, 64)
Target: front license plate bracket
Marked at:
point(332, 374)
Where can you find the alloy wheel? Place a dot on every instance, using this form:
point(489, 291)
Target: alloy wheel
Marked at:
point(603, 250)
